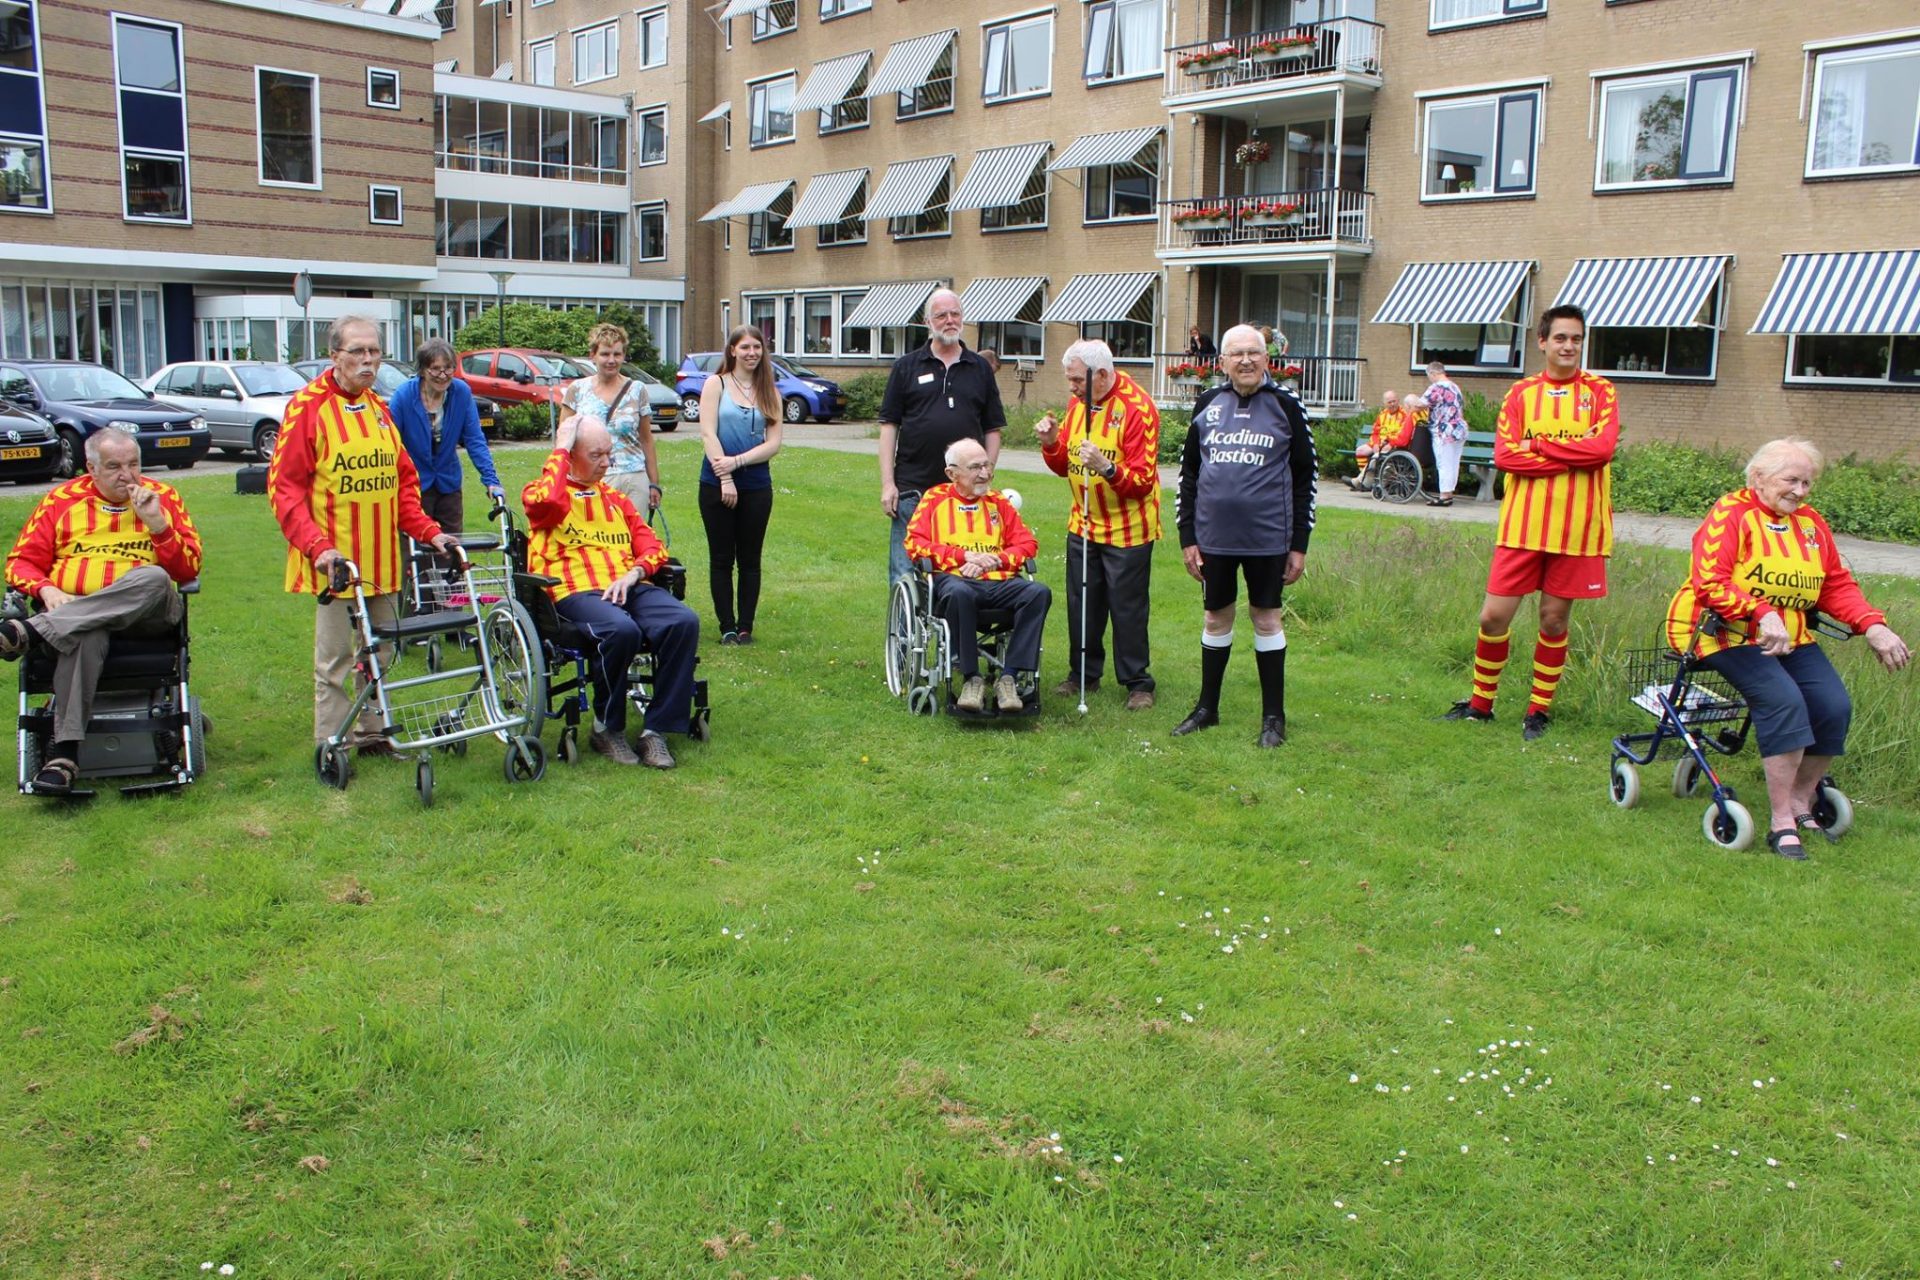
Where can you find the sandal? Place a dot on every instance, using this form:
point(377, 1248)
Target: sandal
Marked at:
point(1439, 502)
point(56, 777)
point(14, 638)
point(1787, 844)
point(1807, 822)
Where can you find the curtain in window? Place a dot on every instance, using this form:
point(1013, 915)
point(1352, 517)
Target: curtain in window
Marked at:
point(1464, 10)
point(1137, 41)
point(1840, 133)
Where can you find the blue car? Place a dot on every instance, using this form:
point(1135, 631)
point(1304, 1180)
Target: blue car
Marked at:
point(803, 392)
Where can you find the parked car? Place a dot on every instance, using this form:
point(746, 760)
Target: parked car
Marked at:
point(392, 374)
point(29, 449)
point(243, 401)
point(661, 398)
point(515, 375)
point(803, 392)
point(81, 398)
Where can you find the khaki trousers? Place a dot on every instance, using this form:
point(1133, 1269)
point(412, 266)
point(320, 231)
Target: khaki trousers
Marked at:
point(142, 600)
point(336, 641)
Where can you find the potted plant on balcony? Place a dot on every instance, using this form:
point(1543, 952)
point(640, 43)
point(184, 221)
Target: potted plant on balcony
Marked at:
point(1255, 150)
point(1280, 48)
point(1187, 373)
point(1211, 58)
point(1203, 217)
point(1270, 213)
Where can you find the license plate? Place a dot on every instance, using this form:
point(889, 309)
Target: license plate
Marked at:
point(11, 454)
point(485, 423)
point(172, 442)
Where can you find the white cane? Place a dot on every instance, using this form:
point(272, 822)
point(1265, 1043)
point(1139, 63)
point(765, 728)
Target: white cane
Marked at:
point(1086, 479)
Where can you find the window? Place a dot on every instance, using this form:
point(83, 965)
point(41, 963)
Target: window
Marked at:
point(23, 131)
point(1475, 348)
point(653, 38)
point(770, 108)
point(850, 112)
point(851, 229)
point(653, 135)
point(840, 8)
point(776, 19)
point(1028, 212)
point(932, 95)
point(540, 68)
point(768, 232)
point(1120, 192)
point(1460, 13)
point(1021, 338)
point(932, 220)
point(1019, 60)
point(287, 118)
point(853, 342)
point(478, 365)
point(596, 53)
point(1686, 352)
point(650, 228)
point(1866, 115)
point(1123, 40)
point(529, 233)
point(761, 314)
point(1131, 338)
point(383, 88)
point(1868, 358)
point(816, 324)
point(1480, 147)
point(1668, 129)
point(151, 86)
point(383, 205)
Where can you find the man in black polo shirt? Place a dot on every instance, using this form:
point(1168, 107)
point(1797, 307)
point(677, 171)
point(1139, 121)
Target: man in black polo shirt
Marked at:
point(1246, 507)
point(937, 394)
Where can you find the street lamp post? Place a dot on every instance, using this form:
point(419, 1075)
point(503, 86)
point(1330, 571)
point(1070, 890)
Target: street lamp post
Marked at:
point(500, 279)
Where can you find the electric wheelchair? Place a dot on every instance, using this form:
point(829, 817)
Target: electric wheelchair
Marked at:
point(920, 659)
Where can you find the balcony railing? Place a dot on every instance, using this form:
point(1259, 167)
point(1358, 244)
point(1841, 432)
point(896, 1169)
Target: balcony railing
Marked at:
point(1340, 45)
point(1278, 220)
point(1321, 382)
point(463, 161)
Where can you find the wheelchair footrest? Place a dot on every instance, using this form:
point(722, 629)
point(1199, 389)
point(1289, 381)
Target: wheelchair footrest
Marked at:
point(154, 788)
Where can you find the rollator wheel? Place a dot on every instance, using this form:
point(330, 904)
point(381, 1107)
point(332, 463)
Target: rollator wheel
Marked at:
point(1625, 787)
point(1730, 827)
point(1831, 809)
point(570, 745)
point(526, 759)
point(433, 653)
point(330, 766)
point(423, 783)
point(1686, 776)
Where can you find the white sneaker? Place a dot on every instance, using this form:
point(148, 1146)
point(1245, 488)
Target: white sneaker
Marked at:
point(973, 694)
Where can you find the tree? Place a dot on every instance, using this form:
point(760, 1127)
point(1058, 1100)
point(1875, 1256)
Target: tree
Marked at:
point(529, 324)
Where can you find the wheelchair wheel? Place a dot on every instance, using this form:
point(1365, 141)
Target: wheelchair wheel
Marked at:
point(902, 621)
point(1686, 776)
point(1400, 476)
point(1731, 827)
point(519, 686)
point(197, 755)
point(1625, 786)
point(1831, 809)
point(330, 766)
point(423, 783)
point(526, 759)
point(570, 745)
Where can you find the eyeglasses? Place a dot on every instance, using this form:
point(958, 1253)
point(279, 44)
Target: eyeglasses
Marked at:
point(977, 468)
point(1245, 355)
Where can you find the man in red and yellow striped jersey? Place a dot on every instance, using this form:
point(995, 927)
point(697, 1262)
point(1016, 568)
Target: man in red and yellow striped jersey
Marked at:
point(1108, 449)
point(977, 543)
point(102, 553)
point(344, 487)
point(597, 547)
point(1555, 440)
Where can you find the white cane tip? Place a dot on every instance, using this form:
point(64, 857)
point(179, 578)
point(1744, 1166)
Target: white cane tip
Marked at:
point(1013, 498)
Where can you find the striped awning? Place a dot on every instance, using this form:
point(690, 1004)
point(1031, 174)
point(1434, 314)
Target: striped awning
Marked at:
point(908, 64)
point(1452, 292)
point(1845, 293)
point(1642, 293)
point(1098, 296)
point(754, 199)
point(887, 305)
point(718, 113)
point(830, 81)
point(1092, 150)
point(825, 200)
point(998, 176)
point(996, 300)
point(741, 8)
point(908, 186)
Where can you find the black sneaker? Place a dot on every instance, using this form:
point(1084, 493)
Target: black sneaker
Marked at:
point(1534, 726)
point(1197, 719)
point(1465, 710)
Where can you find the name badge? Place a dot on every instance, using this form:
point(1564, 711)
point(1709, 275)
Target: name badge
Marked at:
point(925, 378)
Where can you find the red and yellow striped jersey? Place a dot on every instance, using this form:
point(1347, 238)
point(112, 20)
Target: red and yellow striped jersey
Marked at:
point(1123, 511)
point(79, 542)
point(1555, 441)
point(342, 480)
point(585, 535)
point(946, 526)
point(1392, 428)
point(1749, 561)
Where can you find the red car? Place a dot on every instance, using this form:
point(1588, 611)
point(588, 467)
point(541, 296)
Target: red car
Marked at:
point(516, 375)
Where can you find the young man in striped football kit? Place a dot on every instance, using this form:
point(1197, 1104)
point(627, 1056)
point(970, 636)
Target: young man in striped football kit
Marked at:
point(1555, 440)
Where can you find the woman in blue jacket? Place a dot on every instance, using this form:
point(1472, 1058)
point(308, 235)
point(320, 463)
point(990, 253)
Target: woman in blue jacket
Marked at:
point(436, 416)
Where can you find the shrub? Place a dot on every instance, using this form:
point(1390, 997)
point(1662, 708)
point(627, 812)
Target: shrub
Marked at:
point(1333, 440)
point(529, 324)
point(524, 422)
point(863, 396)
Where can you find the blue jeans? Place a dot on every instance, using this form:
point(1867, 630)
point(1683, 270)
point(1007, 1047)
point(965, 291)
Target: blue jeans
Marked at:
point(897, 566)
point(672, 634)
point(1796, 701)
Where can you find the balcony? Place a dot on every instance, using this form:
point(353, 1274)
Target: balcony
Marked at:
point(1266, 225)
point(1325, 384)
point(1233, 75)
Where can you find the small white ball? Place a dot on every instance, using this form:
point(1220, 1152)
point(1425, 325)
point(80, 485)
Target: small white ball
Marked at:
point(1013, 498)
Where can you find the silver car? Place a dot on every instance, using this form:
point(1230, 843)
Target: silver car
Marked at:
point(243, 401)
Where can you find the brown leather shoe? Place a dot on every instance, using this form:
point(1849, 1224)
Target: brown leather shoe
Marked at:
point(1140, 700)
point(1070, 687)
point(614, 746)
point(653, 751)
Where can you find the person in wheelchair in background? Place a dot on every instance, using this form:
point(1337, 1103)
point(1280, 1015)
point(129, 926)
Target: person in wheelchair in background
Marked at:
point(102, 553)
point(976, 543)
point(594, 542)
point(1393, 429)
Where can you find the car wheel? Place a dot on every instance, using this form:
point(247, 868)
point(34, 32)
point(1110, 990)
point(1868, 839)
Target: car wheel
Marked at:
point(796, 409)
point(265, 436)
point(73, 449)
point(690, 408)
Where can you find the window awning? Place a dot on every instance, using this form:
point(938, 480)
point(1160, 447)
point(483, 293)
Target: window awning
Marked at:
point(908, 186)
point(997, 300)
point(908, 64)
point(825, 200)
point(1092, 150)
point(741, 8)
point(998, 176)
point(830, 81)
point(1845, 293)
point(1099, 296)
point(887, 305)
point(718, 113)
point(1642, 293)
point(1452, 292)
point(754, 199)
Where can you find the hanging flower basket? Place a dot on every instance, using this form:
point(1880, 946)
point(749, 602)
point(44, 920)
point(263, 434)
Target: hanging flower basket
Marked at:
point(1253, 151)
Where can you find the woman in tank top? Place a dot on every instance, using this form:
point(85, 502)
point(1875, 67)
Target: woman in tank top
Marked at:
point(740, 430)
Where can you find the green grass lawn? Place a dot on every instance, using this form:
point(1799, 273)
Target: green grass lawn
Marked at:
point(854, 994)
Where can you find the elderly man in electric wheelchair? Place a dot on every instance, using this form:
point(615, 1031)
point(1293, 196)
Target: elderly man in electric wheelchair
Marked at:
point(971, 599)
point(593, 555)
point(108, 559)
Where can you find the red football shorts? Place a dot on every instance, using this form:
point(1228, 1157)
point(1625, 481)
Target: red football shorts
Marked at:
point(1521, 573)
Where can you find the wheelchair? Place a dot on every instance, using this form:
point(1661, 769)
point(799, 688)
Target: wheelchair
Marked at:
point(559, 686)
point(146, 721)
point(919, 656)
point(1393, 475)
